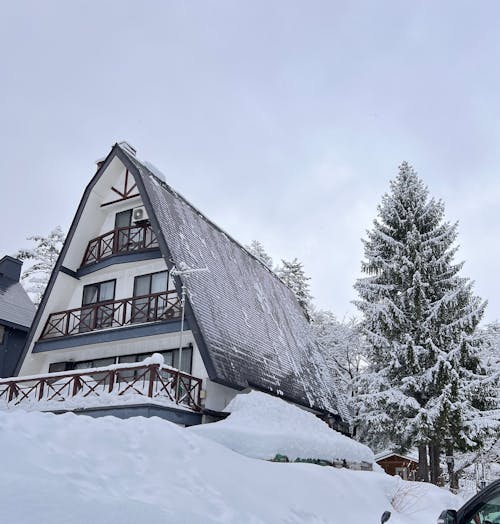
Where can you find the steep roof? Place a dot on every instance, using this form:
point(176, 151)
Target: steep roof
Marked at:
point(254, 331)
point(16, 309)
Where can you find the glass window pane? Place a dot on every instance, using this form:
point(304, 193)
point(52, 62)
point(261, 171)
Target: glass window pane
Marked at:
point(127, 359)
point(101, 362)
point(186, 359)
point(141, 285)
point(57, 366)
point(123, 219)
point(83, 365)
point(90, 294)
point(168, 358)
point(107, 291)
point(159, 282)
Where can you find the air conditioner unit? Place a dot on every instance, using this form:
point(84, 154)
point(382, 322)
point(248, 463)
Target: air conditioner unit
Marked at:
point(139, 214)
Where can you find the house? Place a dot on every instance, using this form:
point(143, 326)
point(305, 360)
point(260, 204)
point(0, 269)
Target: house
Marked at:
point(404, 465)
point(143, 271)
point(16, 314)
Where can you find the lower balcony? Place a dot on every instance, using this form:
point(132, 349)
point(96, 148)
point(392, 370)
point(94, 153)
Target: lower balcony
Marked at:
point(122, 384)
point(113, 314)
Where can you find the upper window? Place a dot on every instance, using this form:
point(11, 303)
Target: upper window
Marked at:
point(100, 292)
point(152, 283)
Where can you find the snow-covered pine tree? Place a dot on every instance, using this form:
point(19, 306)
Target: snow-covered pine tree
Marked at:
point(292, 274)
point(258, 251)
point(44, 256)
point(425, 384)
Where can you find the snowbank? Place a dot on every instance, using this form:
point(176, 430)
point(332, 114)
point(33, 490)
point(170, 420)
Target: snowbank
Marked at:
point(262, 426)
point(73, 468)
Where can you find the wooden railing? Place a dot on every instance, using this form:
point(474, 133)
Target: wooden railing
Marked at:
point(112, 314)
point(120, 240)
point(119, 384)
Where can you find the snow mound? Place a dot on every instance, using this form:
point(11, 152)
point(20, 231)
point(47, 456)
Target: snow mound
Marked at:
point(77, 469)
point(262, 426)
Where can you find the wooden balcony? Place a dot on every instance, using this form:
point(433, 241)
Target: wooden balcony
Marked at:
point(121, 240)
point(113, 314)
point(114, 385)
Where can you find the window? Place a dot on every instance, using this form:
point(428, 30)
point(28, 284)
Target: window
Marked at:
point(150, 306)
point(487, 510)
point(123, 236)
point(100, 316)
point(123, 219)
point(2, 334)
point(100, 292)
point(170, 356)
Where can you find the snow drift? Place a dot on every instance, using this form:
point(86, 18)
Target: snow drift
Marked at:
point(262, 426)
point(73, 468)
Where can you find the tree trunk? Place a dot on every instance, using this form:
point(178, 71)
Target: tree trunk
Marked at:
point(452, 474)
point(423, 467)
point(434, 460)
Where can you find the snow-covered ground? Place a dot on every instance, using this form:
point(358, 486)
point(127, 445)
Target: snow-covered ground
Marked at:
point(76, 469)
point(262, 426)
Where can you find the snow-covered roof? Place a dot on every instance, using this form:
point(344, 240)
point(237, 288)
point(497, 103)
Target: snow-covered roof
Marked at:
point(262, 426)
point(16, 308)
point(388, 453)
point(254, 331)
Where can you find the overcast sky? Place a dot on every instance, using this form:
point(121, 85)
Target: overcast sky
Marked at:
point(282, 121)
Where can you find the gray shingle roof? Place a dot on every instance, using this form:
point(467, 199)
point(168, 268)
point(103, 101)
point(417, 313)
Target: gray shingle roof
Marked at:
point(254, 329)
point(16, 308)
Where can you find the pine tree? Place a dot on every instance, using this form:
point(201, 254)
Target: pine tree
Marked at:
point(292, 274)
point(425, 384)
point(44, 256)
point(258, 251)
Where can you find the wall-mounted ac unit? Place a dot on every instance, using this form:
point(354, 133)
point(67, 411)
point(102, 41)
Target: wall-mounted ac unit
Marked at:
point(139, 214)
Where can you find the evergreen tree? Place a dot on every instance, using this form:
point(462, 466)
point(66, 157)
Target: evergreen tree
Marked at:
point(43, 256)
point(425, 384)
point(292, 274)
point(258, 251)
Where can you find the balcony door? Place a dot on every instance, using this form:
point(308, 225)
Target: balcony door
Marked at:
point(97, 312)
point(151, 301)
point(123, 219)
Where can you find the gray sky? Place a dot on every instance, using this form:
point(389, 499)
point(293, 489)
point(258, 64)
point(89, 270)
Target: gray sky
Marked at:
point(282, 121)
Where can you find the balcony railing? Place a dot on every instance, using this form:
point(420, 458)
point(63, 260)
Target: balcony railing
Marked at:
point(112, 314)
point(120, 240)
point(118, 384)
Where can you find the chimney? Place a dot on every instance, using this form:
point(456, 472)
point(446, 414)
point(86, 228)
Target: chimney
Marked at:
point(10, 268)
point(124, 145)
point(128, 147)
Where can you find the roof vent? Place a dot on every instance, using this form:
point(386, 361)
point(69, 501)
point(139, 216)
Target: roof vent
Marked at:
point(129, 148)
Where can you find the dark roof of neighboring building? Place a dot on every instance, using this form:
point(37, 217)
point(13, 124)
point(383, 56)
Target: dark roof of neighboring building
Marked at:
point(254, 330)
point(16, 308)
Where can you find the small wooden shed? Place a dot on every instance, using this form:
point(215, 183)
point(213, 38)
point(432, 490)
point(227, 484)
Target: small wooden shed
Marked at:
point(393, 463)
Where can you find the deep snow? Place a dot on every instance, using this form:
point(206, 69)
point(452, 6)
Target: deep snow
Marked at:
point(262, 426)
point(75, 469)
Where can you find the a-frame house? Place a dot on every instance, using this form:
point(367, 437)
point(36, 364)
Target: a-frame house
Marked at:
point(114, 297)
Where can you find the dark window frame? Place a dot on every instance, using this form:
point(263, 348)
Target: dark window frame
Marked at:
point(150, 275)
point(98, 301)
point(139, 357)
point(122, 213)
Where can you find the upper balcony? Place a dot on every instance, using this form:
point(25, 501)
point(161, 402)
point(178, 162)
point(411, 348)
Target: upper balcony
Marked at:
point(113, 314)
point(130, 239)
